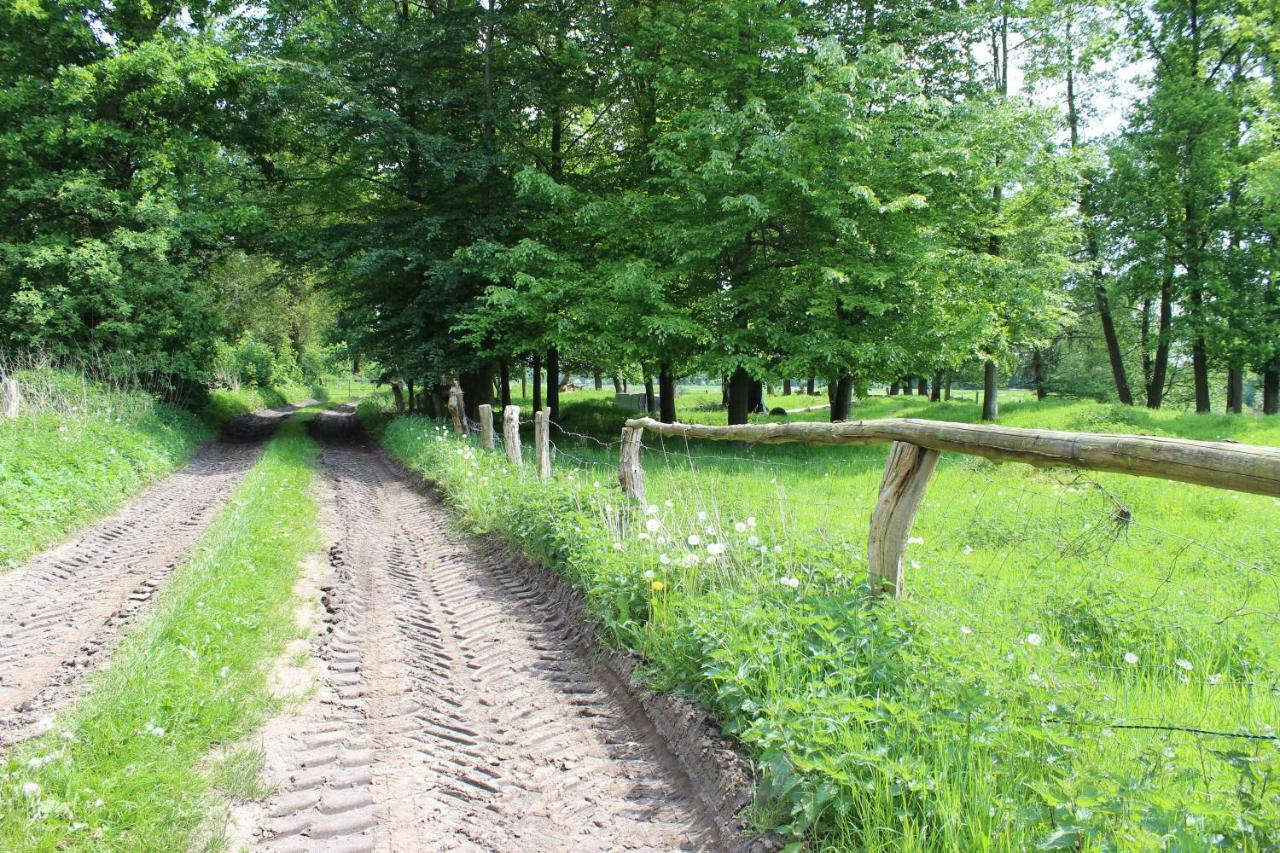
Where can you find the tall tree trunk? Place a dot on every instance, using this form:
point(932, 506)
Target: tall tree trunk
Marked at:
point(990, 406)
point(1037, 372)
point(739, 391)
point(1271, 389)
point(893, 389)
point(842, 399)
point(617, 384)
point(922, 387)
point(809, 388)
point(786, 387)
point(1235, 390)
point(1200, 371)
point(650, 399)
point(724, 392)
point(666, 394)
point(755, 397)
point(553, 384)
point(504, 382)
point(906, 385)
point(946, 389)
point(599, 378)
point(409, 386)
point(936, 395)
point(397, 392)
point(537, 382)
point(1160, 366)
point(1118, 373)
point(477, 388)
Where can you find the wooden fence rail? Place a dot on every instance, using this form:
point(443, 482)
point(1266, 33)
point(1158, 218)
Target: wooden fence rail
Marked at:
point(917, 443)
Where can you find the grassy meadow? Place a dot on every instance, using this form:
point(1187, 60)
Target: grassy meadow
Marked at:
point(1061, 632)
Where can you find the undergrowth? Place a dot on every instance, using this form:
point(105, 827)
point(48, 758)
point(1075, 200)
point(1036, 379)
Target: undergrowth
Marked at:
point(125, 768)
point(989, 710)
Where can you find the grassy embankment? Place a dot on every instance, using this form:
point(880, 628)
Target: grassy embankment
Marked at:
point(988, 710)
point(130, 766)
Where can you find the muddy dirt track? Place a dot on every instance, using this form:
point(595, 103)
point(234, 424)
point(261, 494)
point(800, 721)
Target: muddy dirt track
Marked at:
point(61, 612)
point(456, 708)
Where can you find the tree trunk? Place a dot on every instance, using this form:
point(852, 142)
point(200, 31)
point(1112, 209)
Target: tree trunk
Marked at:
point(936, 395)
point(504, 383)
point(537, 382)
point(842, 399)
point(617, 385)
point(409, 385)
point(755, 397)
point(1118, 374)
point(1160, 367)
point(1037, 372)
point(1200, 370)
point(893, 389)
point(724, 392)
point(739, 391)
point(553, 384)
point(922, 387)
point(666, 394)
point(786, 387)
point(599, 378)
point(397, 392)
point(906, 385)
point(438, 401)
point(990, 406)
point(809, 388)
point(650, 400)
point(477, 388)
point(1235, 390)
point(946, 389)
point(1271, 390)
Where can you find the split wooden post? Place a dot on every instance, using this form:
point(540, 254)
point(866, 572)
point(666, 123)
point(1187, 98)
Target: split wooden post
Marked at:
point(906, 477)
point(542, 442)
point(630, 472)
point(511, 434)
point(10, 399)
point(457, 411)
point(486, 426)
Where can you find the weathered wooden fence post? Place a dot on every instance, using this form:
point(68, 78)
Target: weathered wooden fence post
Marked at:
point(542, 442)
point(906, 476)
point(10, 398)
point(511, 434)
point(486, 426)
point(630, 472)
point(457, 411)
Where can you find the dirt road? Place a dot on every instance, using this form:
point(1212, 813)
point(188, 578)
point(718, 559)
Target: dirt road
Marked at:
point(61, 612)
point(456, 709)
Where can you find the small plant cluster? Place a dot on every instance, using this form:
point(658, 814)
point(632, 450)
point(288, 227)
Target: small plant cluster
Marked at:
point(896, 725)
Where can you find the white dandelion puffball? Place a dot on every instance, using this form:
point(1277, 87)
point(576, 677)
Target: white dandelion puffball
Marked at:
point(1034, 640)
point(715, 549)
point(751, 521)
point(653, 525)
point(30, 790)
point(740, 527)
point(694, 540)
point(1130, 658)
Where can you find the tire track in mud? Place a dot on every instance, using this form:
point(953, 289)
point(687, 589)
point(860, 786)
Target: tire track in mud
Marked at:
point(61, 612)
point(457, 709)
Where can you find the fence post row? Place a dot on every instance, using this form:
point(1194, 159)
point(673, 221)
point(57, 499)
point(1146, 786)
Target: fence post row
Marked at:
point(457, 411)
point(486, 426)
point(542, 442)
point(511, 434)
point(630, 471)
point(10, 398)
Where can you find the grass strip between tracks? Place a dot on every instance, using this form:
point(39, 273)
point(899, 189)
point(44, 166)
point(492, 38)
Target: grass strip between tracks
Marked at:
point(128, 766)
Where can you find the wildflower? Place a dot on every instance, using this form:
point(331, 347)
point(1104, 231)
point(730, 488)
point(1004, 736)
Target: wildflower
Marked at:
point(915, 540)
point(1216, 678)
point(1184, 663)
point(753, 541)
point(967, 550)
point(690, 559)
point(657, 586)
point(694, 540)
point(702, 516)
point(665, 560)
point(789, 581)
point(653, 525)
point(642, 536)
point(648, 574)
point(651, 509)
point(715, 549)
point(965, 629)
point(668, 503)
point(1035, 640)
point(915, 564)
point(1130, 658)
point(617, 546)
point(751, 521)
point(69, 736)
point(777, 549)
point(30, 790)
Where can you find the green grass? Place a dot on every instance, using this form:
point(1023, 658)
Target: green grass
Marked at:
point(77, 451)
point(128, 767)
point(987, 709)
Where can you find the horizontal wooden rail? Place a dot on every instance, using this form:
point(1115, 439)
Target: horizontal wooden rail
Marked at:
point(1221, 464)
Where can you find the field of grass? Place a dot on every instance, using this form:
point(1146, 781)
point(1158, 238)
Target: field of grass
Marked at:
point(1060, 632)
point(129, 767)
point(78, 450)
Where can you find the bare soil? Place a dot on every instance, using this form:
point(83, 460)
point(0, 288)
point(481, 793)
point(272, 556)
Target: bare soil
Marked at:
point(457, 707)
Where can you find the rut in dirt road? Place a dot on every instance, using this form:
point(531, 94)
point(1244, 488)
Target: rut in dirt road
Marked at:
point(61, 611)
point(458, 710)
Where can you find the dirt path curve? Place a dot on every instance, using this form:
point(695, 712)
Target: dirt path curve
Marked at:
point(456, 710)
point(61, 611)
